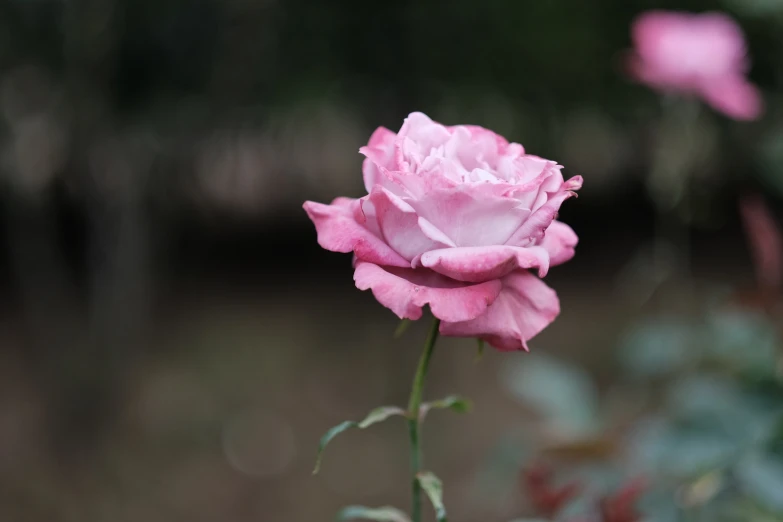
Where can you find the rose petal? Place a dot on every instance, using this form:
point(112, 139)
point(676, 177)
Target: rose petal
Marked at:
point(476, 264)
point(417, 185)
point(471, 217)
point(406, 291)
point(735, 97)
point(524, 307)
point(339, 231)
point(679, 45)
point(399, 225)
point(530, 172)
point(432, 232)
point(559, 240)
point(533, 229)
point(695, 54)
point(379, 154)
point(481, 134)
point(534, 194)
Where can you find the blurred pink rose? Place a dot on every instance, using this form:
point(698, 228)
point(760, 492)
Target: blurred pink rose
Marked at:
point(701, 54)
point(454, 219)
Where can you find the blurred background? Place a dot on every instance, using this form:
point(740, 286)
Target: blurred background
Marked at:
point(173, 342)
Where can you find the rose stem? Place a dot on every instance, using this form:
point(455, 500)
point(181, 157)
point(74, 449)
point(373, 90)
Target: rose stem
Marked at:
point(413, 413)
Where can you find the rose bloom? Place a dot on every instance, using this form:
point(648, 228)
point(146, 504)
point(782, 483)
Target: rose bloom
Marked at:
point(453, 219)
point(698, 54)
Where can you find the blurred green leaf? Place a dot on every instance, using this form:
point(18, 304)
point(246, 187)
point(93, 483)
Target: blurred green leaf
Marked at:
point(581, 507)
point(775, 442)
point(749, 510)
point(563, 393)
point(657, 347)
point(375, 416)
point(720, 400)
point(503, 463)
point(402, 328)
point(761, 478)
point(744, 341)
point(381, 514)
point(433, 487)
point(702, 393)
point(659, 504)
point(602, 476)
point(452, 402)
point(683, 450)
point(480, 350)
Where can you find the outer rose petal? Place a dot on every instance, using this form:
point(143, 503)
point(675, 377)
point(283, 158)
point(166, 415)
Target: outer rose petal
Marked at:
point(406, 291)
point(477, 264)
point(559, 240)
point(524, 307)
point(529, 173)
point(339, 231)
point(534, 228)
point(379, 154)
point(735, 97)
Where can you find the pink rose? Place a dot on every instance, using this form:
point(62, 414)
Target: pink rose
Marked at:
point(702, 54)
point(454, 218)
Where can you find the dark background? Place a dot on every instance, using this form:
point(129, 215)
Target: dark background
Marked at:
point(173, 341)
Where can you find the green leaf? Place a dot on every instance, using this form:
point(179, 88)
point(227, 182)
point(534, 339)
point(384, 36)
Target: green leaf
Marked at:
point(719, 400)
point(684, 449)
point(657, 347)
point(744, 340)
point(380, 415)
point(562, 393)
point(402, 328)
point(452, 402)
point(328, 436)
point(761, 477)
point(433, 487)
point(480, 351)
point(381, 514)
point(375, 416)
point(747, 509)
point(659, 503)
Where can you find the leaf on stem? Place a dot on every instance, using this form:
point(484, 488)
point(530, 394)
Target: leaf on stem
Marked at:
point(480, 351)
point(452, 402)
point(381, 514)
point(433, 487)
point(402, 328)
point(375, 416)
point(380, 415)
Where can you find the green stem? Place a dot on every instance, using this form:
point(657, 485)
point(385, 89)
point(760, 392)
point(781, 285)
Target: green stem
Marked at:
point(413, 423)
